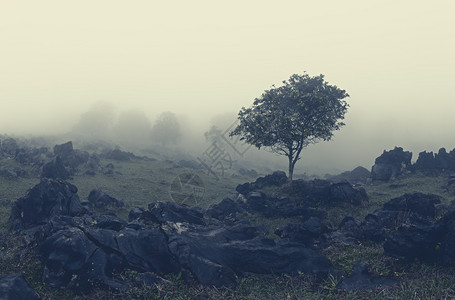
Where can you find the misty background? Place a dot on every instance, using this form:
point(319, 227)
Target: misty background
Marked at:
point(108, 69)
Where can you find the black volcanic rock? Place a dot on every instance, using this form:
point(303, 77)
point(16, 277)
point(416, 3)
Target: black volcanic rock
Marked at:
point(14, 287)
point(71, 158)
point(83, 251)
point(120, 155)
point(391, 164)
point(101, 200)
point(277, 178)
point(45, 200)
point(55, 169)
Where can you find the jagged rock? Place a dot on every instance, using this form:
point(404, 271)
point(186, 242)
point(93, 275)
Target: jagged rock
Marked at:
point(258, 202)
point(85, 251)
point(55, 169)
point(309, 232)
point(135, 213)
point(71, 158)
point(414, 208)
point(433, 164)
point(216, 255)
point(162, 212)
point(421, 204)
point(120, 155)
point(64, 150)
point(100, 199)
point(45, 200)
point(32, 156)
point(323, 192)
point(226, 209)
point(277, 178)
point(391, 164)
point(426, 241)
point(14, 287)
point(413, 241)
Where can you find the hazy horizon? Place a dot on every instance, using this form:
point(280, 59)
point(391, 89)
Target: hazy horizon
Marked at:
point(200, 59)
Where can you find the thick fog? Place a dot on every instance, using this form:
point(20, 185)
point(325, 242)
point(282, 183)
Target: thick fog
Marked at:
point(108, 68)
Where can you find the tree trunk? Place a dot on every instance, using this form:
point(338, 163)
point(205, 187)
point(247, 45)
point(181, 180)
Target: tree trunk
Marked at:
point(291, 169)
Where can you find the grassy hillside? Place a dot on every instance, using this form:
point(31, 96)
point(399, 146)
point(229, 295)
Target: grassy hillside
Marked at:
point(139, 182)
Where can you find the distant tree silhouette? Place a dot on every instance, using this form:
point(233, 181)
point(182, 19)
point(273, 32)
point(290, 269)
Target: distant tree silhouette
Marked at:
point(133, 127)
point(97, 122)
point(166, 130)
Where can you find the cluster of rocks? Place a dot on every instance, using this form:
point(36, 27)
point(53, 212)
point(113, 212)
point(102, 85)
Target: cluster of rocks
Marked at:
point(302, 196)
point(82, 250)
point(376, 227)
point(396, 162)
point(278, 178)
point(391, 164)
point(408, 226)
point(432, 164)
point(13, 173)
point(63, 162)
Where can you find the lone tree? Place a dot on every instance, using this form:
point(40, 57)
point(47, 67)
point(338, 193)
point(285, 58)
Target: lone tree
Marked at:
point(303, 111)
point(166, 129)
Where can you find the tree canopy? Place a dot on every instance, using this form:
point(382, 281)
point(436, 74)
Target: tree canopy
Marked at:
point(302, 111)
point(166, 129)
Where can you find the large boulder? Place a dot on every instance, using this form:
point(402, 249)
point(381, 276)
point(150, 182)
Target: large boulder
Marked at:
point(216, 255)
point(14, 287)
point(100, 199)
point(270, 207)
point(427, 241)
point(71, 158)
point(323, 192)
point(227, 209)
point(87, 255)
point(277, 178)
point(308, 232)
point(45, 200)
point(55, 169)
point(391, 164)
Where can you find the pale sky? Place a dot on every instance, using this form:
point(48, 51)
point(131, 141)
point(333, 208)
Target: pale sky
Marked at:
point(200, 58)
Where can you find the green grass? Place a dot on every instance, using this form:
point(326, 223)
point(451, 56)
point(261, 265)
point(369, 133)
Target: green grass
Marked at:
point(144, 181)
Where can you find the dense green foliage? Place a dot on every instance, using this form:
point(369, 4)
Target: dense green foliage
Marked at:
point(286, 119)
